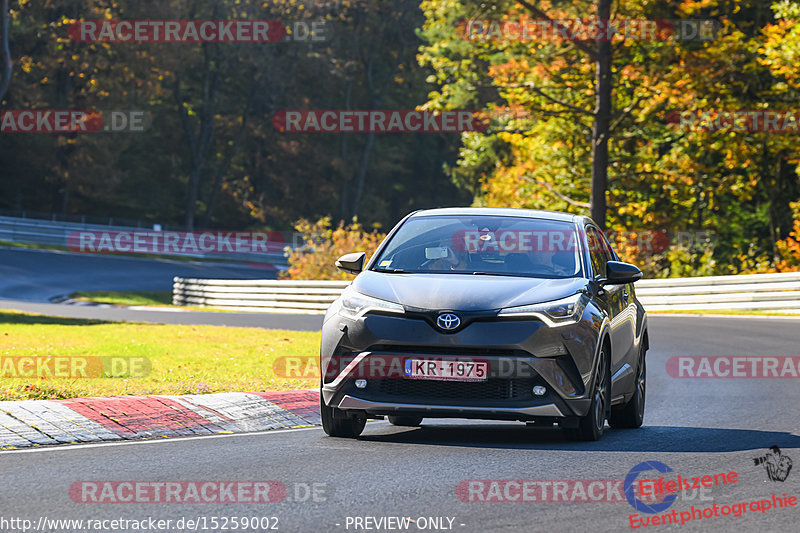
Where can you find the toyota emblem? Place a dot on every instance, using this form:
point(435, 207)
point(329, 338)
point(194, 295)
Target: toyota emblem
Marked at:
point(448, 321)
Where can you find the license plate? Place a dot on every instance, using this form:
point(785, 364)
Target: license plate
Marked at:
point(446, 370)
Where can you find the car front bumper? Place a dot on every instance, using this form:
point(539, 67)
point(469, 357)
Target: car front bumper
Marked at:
point(521, 354)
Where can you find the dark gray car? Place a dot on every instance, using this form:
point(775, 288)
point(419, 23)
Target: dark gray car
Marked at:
point(503, 314)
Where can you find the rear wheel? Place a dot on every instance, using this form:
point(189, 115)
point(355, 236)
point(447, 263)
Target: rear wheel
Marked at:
point(591, 426)
point(631, 415)
point(409, 421)
point(336, 423)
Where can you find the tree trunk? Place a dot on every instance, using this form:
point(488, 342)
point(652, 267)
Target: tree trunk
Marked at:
point(362, 172)
point(198, 144)
point(602, 119)
point(375, 103)
point(343, 157)
point(5, 52)
point(63, 151)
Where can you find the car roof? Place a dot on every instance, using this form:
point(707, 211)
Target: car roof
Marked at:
point(501, 212)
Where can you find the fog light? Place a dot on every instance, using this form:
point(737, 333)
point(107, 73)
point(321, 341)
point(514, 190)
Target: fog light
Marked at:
point(361, 383)
point(538, 390)
point(551, 351)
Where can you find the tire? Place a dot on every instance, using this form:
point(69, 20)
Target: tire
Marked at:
point(409, 421)
point(591, 426)
point(631, 415)
point(335, 424)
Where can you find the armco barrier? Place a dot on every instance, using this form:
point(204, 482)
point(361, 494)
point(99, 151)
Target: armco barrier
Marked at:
point(267, 296)
point(54, 233)
point(754, 291)
point(750, 291)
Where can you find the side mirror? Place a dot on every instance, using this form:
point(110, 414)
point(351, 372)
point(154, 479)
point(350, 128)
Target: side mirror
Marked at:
point(351, 263)
point(619, 273)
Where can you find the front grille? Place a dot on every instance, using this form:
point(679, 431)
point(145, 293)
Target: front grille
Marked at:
point(492, 389)
point(448, 350)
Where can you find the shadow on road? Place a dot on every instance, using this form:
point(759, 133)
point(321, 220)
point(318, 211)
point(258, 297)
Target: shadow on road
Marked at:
point(646, 439)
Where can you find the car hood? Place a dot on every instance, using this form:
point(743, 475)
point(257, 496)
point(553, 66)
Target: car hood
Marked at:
point(463, 292)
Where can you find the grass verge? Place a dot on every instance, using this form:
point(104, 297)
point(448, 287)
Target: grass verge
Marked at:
point(33, 246)
point(183, 359)
point(152, 298)
point(144, 298)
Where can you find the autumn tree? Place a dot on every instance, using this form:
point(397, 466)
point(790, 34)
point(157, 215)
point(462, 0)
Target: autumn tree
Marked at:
point(660, 177)
point(323, 243)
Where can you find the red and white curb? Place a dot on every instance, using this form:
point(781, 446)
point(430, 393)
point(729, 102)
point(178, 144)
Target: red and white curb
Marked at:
point(42, 422)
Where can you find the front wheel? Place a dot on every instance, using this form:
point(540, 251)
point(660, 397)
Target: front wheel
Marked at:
point(336, 424)
point(631, 415)
point(591, 426)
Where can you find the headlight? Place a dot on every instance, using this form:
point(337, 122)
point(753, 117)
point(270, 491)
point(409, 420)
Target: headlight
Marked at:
point(355, 304)
point(555, 313)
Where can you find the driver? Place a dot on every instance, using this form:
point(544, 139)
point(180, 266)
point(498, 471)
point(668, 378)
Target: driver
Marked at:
point(543, 261)
point(449, 260)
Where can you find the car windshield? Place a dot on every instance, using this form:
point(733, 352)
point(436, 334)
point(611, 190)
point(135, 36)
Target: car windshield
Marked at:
point(492, 245)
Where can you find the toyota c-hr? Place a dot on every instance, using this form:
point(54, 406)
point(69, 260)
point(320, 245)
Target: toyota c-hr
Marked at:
point(503, 314)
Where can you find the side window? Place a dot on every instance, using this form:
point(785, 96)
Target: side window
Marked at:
point(608, 251)
point(597, 251)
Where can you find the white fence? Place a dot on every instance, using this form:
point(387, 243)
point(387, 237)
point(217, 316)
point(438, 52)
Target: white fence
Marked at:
point(775, 292)
point(757, 291)
point(267, 296)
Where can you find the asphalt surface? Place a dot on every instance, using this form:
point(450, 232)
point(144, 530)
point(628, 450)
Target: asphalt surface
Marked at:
point(39, 275)
point(170, 316)
point(29, 279)
point(696, 426)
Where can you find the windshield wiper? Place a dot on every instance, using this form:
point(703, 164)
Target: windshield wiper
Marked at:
point(495, 274)
point(477, 273)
